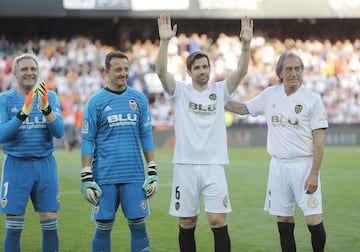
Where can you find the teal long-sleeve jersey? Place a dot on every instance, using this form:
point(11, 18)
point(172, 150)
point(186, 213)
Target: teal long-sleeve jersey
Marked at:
point(32, 138)
point(116, 129)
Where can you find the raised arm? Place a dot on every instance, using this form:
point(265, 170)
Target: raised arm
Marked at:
point(246, 35)
point(165, 34)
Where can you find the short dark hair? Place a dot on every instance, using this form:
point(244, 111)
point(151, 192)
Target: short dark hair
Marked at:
point(194, 56)
point(114, 54)
point(283, 57)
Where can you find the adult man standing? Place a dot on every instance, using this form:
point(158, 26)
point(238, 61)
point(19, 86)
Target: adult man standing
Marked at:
point(116, 129)
point(30, 116)
point(296, 120)
point(201, 147)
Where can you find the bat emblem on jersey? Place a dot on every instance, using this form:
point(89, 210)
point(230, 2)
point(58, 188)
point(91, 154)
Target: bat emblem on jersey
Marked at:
point(212, 97)
point(132, 104)
point(3, 202)
point(298, 108)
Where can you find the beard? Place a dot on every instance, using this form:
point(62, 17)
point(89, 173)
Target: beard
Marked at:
point(203, 80)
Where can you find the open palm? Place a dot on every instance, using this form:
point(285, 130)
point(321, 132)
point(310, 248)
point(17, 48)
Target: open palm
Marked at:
point(246, 32)
point(165, 30)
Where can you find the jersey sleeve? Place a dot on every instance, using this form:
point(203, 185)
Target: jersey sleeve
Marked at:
point(88, 129)
point(256, 105)
point(318, 118)
point(8, 126)
point(146, 136)
point(56, 127)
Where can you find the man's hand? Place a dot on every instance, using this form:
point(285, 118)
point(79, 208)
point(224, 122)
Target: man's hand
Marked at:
point(164, 25)
point(29, 102)
point(311, 183)
point(89, 189)
point(150, 185)
point(246, 33)
point(43, 96)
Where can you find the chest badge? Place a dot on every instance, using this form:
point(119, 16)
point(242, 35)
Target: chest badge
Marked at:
point(298, 108)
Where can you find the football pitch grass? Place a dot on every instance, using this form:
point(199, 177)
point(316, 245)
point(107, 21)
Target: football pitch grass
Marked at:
point(251, 229)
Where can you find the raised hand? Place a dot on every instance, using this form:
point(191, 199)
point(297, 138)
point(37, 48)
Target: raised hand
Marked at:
point(164, 25)
point(43, 96)
point(247, 25)
point(29, 102)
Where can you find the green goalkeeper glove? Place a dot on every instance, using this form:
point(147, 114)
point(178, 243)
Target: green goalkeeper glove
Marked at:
point(89, 189)
point(43, 98)
point(28, 105)
point(151, 182)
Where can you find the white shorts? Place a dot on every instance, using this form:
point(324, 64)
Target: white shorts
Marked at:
point(285, 187)
point(191, 182)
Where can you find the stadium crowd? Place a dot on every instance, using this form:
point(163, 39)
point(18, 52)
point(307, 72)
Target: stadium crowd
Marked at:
point(74, 69)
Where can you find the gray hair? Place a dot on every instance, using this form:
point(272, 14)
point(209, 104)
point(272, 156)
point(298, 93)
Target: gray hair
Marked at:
point(283, 57)
point(15, 66)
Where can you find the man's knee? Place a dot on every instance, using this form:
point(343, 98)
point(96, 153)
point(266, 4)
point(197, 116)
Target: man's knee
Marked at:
point(187, 222)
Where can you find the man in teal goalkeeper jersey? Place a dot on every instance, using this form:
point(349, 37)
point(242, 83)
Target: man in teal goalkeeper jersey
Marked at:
point(116, 130)
point(30, 116)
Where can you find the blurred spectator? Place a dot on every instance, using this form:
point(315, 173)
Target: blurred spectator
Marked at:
point(73, 68)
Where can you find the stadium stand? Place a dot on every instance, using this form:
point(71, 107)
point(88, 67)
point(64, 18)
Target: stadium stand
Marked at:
point(71, 60)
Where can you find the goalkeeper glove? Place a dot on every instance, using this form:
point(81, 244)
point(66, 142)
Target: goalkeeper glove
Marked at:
point(150, 185)
point(28, 105)
point(43, 98)
point(89, 189)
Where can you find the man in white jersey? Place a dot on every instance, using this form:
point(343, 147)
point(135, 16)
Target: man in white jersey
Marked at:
point(296, 120)
point(201, 147)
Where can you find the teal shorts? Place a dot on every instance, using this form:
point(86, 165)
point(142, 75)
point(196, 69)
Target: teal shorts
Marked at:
point(34, 178)
point(130, 196)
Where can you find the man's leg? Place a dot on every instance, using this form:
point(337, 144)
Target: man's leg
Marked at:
point(187, 234)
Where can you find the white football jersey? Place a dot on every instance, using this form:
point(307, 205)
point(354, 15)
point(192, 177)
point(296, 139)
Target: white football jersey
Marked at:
point(200, 129)
point(290, 120)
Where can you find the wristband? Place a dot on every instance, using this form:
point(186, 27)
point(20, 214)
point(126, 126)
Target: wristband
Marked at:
point(21, 115)
point(152, 171)
point(86, 174)
point(46, 111)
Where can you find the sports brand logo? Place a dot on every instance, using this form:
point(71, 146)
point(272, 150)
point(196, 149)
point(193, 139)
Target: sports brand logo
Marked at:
point(58, 199)
point(143, 205)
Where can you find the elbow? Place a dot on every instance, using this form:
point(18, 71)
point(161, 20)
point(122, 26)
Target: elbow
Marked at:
point(162, 76)
point(57, 129)
point(59, 133)
point(160, 73)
